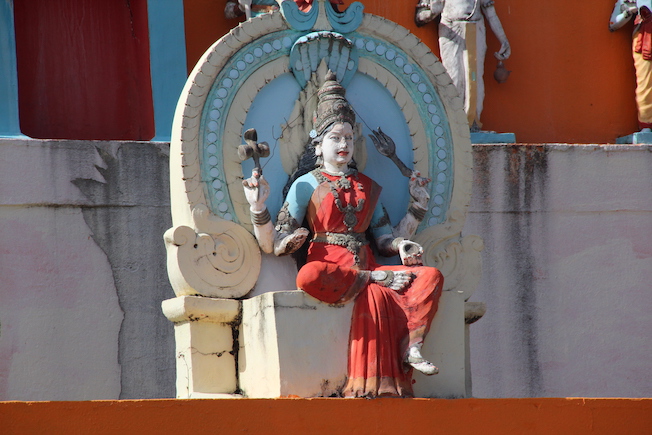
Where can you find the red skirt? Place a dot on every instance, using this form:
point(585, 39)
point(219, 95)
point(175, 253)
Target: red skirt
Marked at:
point(383, 325)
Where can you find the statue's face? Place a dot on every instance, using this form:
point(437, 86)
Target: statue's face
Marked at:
point(337, 147)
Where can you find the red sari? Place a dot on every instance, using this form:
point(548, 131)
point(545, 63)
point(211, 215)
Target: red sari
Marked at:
point(384, 322)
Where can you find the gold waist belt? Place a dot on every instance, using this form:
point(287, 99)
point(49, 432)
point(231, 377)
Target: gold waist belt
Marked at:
point(351, 241)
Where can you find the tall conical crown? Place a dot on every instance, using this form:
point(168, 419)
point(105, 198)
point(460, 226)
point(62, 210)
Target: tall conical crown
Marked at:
point(332, 106)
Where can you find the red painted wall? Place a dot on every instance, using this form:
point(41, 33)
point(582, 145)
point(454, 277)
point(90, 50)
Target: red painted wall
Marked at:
point(574, 416)
point(83, 69)
point(572, 81)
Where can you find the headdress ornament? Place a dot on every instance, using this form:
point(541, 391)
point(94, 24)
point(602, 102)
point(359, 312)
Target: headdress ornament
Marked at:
point(331, 106)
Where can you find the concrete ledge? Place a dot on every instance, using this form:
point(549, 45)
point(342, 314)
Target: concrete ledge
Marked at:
point(326, 416)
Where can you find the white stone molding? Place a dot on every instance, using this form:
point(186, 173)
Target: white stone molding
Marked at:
point(208, 255)
point(205, 351)
point(214, 259)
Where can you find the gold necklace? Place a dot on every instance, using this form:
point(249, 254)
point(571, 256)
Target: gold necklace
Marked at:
point(349, 211)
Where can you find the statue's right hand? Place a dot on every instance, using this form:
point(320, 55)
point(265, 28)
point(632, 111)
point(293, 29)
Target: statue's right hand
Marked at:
point(256, 190)
point(291, 242)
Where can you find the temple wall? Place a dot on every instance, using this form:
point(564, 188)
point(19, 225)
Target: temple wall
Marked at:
point(566, 273)
point(567, 268)
point(83, 271)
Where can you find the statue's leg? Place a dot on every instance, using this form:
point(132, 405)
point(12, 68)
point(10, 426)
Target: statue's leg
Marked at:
point(420, 302)
point(331, 283)
point(481, 51)
point(452, 46)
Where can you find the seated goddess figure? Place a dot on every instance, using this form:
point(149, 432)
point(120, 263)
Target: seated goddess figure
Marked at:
point(393, 305)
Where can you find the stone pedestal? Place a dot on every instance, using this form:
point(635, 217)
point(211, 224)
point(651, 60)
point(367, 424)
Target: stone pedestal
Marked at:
point(204, 333)
point(445, 348)
point(292, 345)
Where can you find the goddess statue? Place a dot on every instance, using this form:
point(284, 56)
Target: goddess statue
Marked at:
point(624, 11)
point(393, 305)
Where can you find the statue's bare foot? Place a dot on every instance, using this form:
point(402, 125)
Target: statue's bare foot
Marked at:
point(396, 281)
point(418, 362)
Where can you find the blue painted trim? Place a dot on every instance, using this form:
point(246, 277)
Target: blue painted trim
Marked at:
point(492, 137)
point(347, 21)
point(635, 138)
point(167, 53)
point(218, 104)
point(9, 116)
point(299, 20)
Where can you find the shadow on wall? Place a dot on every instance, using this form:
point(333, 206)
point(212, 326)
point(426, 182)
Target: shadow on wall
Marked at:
point(130, 213)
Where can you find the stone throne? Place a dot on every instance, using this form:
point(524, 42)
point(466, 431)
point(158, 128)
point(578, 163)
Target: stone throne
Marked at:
point(241, 329)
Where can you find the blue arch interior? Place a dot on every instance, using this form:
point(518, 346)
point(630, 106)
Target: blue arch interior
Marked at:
point(374, 107)
point(372, 101)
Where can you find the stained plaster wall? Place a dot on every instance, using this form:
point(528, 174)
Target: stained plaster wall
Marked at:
point(83, 273)
point(567, 271)
point(567, 267)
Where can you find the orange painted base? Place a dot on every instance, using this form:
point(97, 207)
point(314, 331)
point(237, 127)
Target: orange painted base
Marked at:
point(327, 416)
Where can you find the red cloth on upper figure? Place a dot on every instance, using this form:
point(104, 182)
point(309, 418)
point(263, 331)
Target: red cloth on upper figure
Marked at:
point(384, 322)
point(305, 5)
point(643, 42)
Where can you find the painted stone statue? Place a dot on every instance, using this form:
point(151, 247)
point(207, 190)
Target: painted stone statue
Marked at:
point(463, 45)
point(253, 8)
point(641, 11)
point(393, 305)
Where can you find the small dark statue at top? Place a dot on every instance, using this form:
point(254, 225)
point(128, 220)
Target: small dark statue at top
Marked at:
point(394, 305)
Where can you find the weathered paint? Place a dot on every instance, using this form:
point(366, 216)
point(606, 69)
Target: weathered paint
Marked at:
point(83, 271)
point(577, 416)
point(566, 268)
point(132, 203)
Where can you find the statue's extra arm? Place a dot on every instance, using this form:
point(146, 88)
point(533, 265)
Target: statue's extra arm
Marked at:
point(623, 12)
point(289, 235)
point(417, 210)
point(496, 26)
point(428, 10)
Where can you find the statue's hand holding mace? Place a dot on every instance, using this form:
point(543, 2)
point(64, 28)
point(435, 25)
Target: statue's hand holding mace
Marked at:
point(255, 150)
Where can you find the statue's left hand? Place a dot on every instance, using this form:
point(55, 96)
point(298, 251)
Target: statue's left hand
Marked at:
point(411, 253)
point(504, 52)
point(418, 190)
